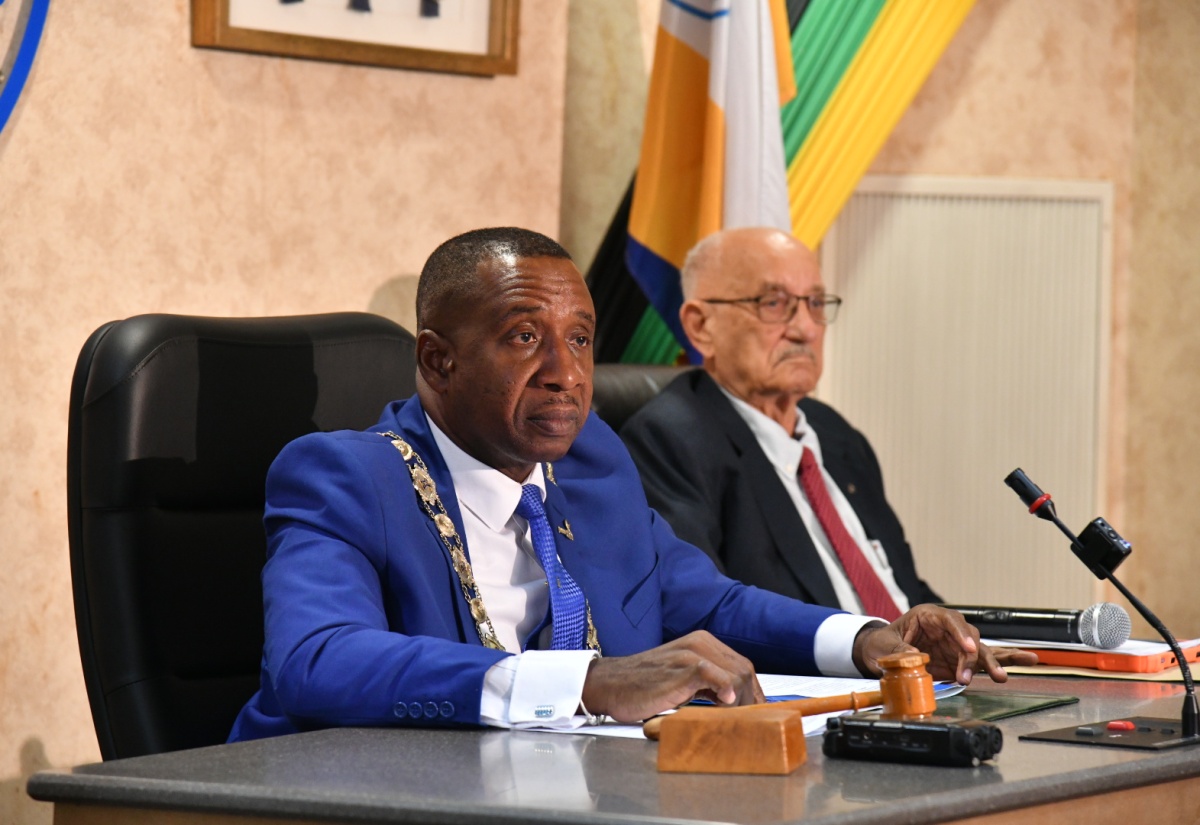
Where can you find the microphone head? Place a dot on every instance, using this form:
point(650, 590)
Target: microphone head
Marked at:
point(1023, 487)
point(1039, 503)
point(1105, 625)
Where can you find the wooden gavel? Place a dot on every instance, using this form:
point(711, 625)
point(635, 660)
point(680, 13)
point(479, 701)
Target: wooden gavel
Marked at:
point(805, 707)
point(769, 738)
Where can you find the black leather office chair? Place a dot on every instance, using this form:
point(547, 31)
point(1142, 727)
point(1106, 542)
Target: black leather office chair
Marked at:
point(174, 421)
point(620, 390)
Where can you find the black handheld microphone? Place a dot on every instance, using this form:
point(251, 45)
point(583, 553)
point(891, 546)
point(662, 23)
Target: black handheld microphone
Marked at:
point(1105, 625)
point(1101, 548)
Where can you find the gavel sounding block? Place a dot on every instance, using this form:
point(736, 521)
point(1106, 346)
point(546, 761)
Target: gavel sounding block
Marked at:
point(753, 740)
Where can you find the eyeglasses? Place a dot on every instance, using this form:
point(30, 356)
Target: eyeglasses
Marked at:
point(780, 307)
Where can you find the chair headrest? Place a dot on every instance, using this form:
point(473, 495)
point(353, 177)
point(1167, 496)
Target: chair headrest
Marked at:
point(620, 390)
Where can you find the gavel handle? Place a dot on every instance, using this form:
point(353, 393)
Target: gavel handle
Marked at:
point(806, 707)
point(829, 704)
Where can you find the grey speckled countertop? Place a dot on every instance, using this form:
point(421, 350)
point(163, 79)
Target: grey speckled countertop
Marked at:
point(499, 776)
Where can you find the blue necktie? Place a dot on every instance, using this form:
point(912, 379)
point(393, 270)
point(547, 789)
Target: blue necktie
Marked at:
point(567, 605)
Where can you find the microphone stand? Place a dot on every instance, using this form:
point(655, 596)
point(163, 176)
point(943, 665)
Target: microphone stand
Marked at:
point(1101, 548)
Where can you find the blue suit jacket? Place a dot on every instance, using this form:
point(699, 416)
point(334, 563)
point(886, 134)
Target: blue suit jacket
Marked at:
point(365, 621)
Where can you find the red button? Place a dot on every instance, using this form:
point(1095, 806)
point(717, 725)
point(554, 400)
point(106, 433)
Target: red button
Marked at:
point(1121, 724)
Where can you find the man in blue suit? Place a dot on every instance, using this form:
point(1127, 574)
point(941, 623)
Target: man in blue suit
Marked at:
point(468, 559)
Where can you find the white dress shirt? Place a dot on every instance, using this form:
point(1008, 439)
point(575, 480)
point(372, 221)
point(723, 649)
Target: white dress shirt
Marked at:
point(784, 452)
point(537, 687)
point(543, 688)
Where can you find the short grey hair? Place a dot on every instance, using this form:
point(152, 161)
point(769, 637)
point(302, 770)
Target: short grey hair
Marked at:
point(700, 257)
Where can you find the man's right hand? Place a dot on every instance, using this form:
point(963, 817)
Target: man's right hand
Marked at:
point(633, 688)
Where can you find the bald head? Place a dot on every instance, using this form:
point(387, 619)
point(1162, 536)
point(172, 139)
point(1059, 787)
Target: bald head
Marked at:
point(731, 280)
point(728, 258)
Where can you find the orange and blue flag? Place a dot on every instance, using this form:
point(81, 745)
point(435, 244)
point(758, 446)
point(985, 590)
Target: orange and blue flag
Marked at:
point(712, 149)
point(760, 112)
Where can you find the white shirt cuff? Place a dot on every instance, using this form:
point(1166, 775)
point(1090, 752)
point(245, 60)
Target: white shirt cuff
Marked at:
point(536, 689)
point(833, 645)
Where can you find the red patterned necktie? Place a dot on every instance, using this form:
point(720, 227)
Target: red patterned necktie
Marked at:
point(874, 596)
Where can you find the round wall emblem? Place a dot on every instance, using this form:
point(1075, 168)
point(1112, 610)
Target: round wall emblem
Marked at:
point(21, 24)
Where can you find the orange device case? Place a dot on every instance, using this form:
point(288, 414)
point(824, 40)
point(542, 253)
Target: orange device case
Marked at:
point(1106, 660)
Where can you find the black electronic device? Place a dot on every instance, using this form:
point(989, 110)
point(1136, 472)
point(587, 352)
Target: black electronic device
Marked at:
point(928, 741)
point(1102, 549)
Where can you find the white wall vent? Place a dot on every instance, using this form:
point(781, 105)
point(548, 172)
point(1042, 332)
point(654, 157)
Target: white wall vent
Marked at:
point(974, 339)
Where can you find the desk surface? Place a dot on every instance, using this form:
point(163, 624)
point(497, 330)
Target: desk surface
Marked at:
point(391, 775)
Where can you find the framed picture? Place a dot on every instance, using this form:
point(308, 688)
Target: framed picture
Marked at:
point(463, 36)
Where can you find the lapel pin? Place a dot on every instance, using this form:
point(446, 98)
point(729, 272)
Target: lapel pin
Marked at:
point(566, 530)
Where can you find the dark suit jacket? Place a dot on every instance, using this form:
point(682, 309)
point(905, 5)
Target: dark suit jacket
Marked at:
point(703, 470)
point(365, 621)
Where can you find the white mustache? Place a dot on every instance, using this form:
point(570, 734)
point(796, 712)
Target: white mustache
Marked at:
point(797, 351)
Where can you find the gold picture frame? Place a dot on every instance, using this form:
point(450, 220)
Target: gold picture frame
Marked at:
point(211, 29)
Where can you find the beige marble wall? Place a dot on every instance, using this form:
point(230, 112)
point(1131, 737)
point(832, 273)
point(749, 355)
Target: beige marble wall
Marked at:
point(1163, 437)
point(606, 103)
point(142, 175)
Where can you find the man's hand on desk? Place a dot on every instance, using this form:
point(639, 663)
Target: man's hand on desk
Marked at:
point(954, 649)
point(633, 688)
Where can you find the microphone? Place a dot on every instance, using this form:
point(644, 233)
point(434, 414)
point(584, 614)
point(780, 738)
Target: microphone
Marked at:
point(1098, 546)
point(1105, 625)
point(1102, 549)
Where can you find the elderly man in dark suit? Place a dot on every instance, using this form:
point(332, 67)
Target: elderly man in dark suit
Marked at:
point(778, 488)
